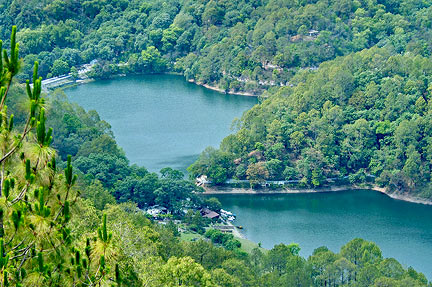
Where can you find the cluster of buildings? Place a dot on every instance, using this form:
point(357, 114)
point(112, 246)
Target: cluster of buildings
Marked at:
point(157, 211)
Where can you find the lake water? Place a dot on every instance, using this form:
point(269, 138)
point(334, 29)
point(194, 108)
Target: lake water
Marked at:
point(162, 120)
point(402, 230)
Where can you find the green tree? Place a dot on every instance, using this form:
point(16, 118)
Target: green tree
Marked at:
point(36, 244)
point(213, 204)
point(152, 60)
point(99, 196)
point(184, 272)
point(277, 258)
point(215, 164)
point(74, 73)
point(59, 68)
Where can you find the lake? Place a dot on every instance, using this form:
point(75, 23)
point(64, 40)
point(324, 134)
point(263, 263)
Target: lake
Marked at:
point(402, 230)
point(162, 120)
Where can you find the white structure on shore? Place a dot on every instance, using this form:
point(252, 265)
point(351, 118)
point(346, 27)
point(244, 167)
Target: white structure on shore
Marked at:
point(56, 82)
point(60, 81)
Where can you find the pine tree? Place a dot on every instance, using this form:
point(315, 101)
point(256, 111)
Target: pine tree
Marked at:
point(36, 200)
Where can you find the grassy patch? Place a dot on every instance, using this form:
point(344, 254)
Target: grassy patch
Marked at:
point(247, 245)
point(188, 236)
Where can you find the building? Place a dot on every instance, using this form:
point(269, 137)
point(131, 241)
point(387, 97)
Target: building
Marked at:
point(313, 33)
point(156, 210)
point(205, 212)
point(202, 180)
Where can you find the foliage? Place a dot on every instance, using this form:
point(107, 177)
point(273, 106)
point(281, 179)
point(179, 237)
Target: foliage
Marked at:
point(366, 113)
point(224, 239)
point(376, 96)
point(213, 203)
point(236, 45)
point(356, 116)
point(37, 246)
point(215, 164)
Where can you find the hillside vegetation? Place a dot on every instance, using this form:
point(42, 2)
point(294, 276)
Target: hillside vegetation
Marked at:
point(364, 113)
point(50, 235)
point(236, 45)
point(368, 113)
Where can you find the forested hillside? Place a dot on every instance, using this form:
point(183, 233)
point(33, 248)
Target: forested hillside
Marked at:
point(348, 88)
point(236, 45)
point(368, 113)
point(56, 230)
point(378, 98)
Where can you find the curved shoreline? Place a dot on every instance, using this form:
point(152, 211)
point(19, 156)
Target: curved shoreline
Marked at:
point(230, 92)
point(211, 190)
point(232, 190)
point(213, 88)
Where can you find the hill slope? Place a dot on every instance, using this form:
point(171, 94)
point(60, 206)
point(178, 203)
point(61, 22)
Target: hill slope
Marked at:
point(367, 113)
point(236, 45)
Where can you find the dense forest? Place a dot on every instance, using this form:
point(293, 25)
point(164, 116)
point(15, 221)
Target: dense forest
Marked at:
point(56, 230)
point(366, 114)
point(237, 45)
point(363, 114)
point(347, 88)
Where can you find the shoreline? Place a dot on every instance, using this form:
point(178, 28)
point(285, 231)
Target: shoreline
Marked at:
point(234, 190)
point(213, 88)
point(211, 190)
point(246, 94)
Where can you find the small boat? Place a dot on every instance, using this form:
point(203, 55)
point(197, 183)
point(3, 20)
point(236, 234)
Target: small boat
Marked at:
point(226, 212)
point(239, 227)
point(231, 218)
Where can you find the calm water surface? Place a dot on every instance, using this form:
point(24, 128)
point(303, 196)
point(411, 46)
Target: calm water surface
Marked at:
point(162, 120)
point(402, 230)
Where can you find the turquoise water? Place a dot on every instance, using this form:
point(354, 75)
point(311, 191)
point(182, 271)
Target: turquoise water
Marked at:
point(162, 120)
point(402, 230)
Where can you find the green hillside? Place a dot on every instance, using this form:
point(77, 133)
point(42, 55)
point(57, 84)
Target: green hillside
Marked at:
point(364, 114)
point(346, 90)
point(236, 45)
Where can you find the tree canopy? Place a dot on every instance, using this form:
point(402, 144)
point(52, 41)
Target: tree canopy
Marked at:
point(366, 114)
point(348, 96)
